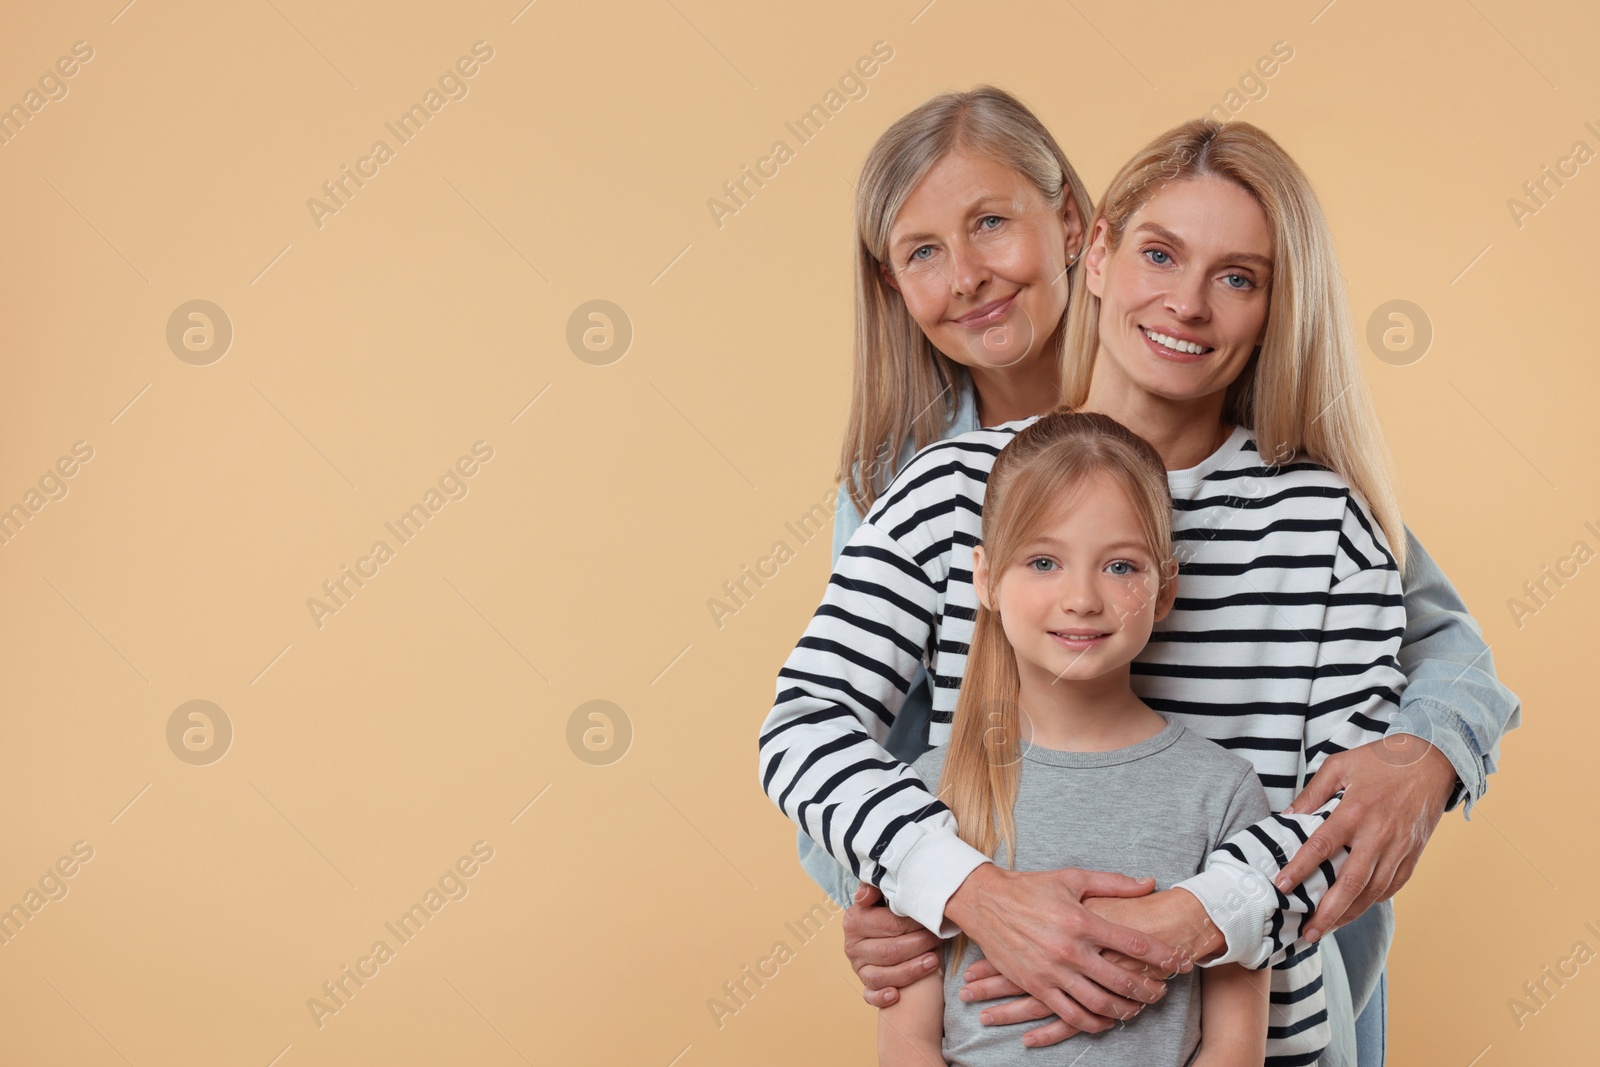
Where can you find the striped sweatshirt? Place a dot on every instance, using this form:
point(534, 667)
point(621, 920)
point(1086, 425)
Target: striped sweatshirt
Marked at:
point(1282, 646)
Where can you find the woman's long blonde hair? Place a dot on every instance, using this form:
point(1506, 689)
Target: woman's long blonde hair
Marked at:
point(1303, 393)
point(903, 387)
point(1038, 470)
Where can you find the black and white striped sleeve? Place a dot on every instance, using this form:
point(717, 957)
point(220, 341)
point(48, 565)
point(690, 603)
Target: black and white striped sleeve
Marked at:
point(1355, 693)
point(822, 755)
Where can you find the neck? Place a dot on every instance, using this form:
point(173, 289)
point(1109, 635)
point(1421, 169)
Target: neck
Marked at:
point(1032, 387)
point(1184, 432)
point(1093, 715)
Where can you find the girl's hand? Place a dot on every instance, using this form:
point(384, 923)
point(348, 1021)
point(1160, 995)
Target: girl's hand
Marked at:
point(1395, 790)
point(887, 951)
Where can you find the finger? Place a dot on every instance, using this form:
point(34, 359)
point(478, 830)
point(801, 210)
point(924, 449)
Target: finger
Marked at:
point(867, 894)
point(1050, 1033)
point(1024, 1009)
point(1379, 887)
point(880, 998)
point(1111, 884)
point(1135, 944)
point(1332, 835)
point(878, 922)
point(890, 951)
point(1353, 878)
point(1094, 997)
point(898, 976)
point(1119, 984)
point(1074, 1014)
point(990, 988)
point(984, 968)
point(1328, 780)
point(1408, 867)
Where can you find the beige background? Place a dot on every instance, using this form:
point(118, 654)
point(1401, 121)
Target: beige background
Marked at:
point(432, 709)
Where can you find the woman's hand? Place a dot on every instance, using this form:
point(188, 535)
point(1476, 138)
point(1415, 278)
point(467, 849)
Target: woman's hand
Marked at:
point(1036, 928)
point(887, 951)
point(1173, 915)
point(1395, 790)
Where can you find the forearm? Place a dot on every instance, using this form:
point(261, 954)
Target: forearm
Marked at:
point(1452, 699)
point(1233, 1016)
point(911, 1030)
point(822, 756)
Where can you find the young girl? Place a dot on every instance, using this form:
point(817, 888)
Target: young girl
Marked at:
point(1075, 567)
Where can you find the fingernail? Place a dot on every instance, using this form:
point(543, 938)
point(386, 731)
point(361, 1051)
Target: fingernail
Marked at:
point(983, 1017)
point(965, 994)
point(1289, 810)
point(1312, 933)
point(929, 961)
point(1282, 882)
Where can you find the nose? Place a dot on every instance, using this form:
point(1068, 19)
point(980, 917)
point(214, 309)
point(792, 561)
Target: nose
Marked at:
point(1080, 594)
point(1187, 298)
point(968, 268)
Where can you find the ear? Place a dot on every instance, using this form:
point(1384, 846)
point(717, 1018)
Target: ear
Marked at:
point(1072, 229)
point(980, 577)
point(1169, 593)
point(1094, 262)
point(888, 277)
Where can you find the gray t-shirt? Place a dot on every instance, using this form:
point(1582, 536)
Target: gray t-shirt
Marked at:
point(1154, 809)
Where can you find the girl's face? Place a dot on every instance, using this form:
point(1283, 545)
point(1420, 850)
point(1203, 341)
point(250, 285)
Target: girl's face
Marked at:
point(1079, 601)
point(980, 260)
point(1184, 296)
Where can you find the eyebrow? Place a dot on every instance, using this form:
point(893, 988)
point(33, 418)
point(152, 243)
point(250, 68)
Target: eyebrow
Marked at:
point(909, 238)
point(1053, 543)
point(1173, 239)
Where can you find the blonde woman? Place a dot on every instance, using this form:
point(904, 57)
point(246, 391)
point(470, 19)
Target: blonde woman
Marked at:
point(1293, 377)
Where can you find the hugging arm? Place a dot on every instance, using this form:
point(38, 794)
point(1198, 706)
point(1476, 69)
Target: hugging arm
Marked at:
point(821, 749)
point(1355, 691)
point(1438, 752)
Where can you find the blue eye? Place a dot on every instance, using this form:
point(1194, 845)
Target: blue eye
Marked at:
point(916, 255)
point(1246, 282)
point(1040, 559)
point(1152, 253)
point(1130, 567)
point(986, 218)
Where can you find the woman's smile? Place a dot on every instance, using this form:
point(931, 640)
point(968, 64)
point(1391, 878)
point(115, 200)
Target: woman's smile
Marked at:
point(989, 314)
point(1172, 345)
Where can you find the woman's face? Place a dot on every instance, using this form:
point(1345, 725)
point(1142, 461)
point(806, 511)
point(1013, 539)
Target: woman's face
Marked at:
point(1184, 296)
point(980, 260)
point(1080, 601)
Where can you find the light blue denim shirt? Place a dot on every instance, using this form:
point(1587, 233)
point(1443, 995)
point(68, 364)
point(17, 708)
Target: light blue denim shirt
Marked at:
point(1452, 698)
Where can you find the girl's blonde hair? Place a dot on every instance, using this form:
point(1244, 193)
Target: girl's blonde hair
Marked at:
point(903, 386)
point(1303, 393)
point(1034, 474)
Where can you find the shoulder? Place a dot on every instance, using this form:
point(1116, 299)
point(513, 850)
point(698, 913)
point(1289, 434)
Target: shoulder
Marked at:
point(946, 477)
point(1314, 495)
point(1204, 756)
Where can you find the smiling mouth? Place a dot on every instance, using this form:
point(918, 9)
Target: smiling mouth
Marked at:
point(1175, 345)
point(987, 315)
point(1081, 638)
